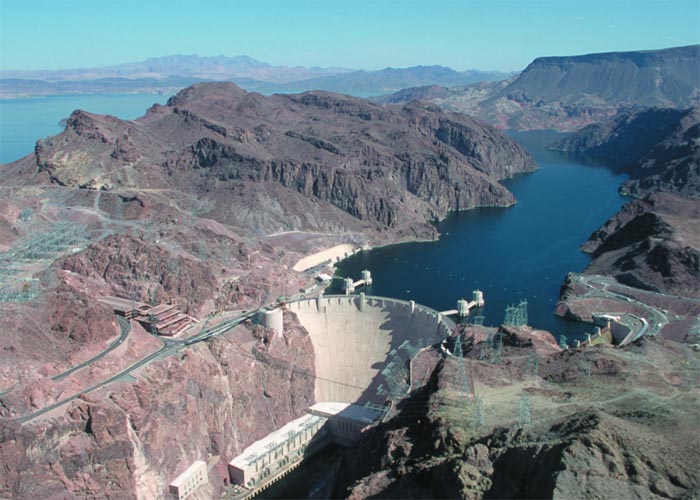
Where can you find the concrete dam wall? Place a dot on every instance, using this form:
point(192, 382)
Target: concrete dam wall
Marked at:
point(353, 337)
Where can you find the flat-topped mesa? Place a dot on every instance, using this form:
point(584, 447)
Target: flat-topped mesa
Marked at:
point(666, 77)
point(567, 93)
point(316, 160)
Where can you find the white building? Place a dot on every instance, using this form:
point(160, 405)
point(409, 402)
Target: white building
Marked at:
point(190, 480)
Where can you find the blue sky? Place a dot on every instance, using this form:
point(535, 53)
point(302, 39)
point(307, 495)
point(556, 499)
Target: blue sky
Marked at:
point(491, 34)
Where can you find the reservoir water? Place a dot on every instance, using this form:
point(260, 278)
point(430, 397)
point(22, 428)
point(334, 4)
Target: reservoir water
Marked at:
point(23, 121)
point(521, 252)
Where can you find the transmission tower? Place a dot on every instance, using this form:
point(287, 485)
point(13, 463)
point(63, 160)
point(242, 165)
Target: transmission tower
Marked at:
point(461, 367)
point(457, 349)
point(496, 354)
point(511, 313)
point(524, 417)
point(522, 313)
point(533, 364)
point(485, 348)
point(478, 413)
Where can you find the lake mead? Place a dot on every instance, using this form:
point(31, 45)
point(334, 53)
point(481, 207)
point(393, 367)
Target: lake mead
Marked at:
point(523, 252)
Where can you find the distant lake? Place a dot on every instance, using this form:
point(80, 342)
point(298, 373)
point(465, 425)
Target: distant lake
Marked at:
point(23, 121)
point(519, 253)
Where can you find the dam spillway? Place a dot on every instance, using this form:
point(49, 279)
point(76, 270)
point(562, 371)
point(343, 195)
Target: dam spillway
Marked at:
point(354, 337)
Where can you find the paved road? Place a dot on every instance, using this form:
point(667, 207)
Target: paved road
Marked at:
point(654, 319)
point(125, 329)
point(169, 348)
point(10, 389)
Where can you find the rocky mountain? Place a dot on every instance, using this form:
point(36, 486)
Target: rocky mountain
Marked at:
point(566, 93)
point(667, 77)
point(288, 162)
point(659, 148)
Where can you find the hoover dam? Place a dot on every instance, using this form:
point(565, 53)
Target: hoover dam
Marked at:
point(357, 337)
point(362, 346)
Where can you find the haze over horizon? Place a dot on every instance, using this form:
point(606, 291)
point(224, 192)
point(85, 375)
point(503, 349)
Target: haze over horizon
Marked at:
point(499, 35)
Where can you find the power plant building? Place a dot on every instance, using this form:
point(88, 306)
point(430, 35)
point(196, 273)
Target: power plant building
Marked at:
point(279, 450)
point(162, 319)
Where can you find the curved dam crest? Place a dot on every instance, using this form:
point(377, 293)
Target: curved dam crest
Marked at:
point(355, 336)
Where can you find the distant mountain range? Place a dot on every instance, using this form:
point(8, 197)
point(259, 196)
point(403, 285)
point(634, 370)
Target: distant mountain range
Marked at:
point(171, 73)
point(184, 66)
point(567, 93)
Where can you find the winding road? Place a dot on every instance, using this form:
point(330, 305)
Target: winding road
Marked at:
point(655, 318)
point(169, 348)
point(125, 329)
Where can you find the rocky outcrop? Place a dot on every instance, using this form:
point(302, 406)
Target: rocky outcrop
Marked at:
point(652, 244)
point(570, 445)
point(49, 328)
point(46, 335)
point(145, 272)
point(309, 161)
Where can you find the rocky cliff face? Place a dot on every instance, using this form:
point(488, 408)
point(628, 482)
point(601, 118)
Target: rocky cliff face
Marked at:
point(659, 148)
